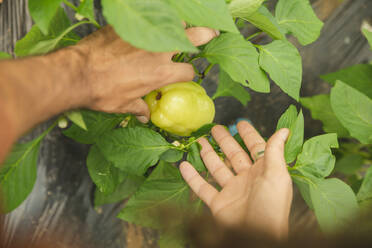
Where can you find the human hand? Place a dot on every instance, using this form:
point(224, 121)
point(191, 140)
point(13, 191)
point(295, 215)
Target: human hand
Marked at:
point(259, 193)
point(116, 75)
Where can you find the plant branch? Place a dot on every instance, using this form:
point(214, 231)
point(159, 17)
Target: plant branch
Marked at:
point(205, 73)
point(70, 5)
point(253, 35)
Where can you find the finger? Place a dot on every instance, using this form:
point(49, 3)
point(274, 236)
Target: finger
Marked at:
point(201, 35)
point(274, 154)
point(198, 36)
point(234, 152)
point(139, 108)
point(201, 188)
point(177, 72)
point(214, 163)
point(252, 139)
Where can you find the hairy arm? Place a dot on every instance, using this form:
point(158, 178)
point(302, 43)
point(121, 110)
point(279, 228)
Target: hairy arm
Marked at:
point(102, 72)
point(34, 89)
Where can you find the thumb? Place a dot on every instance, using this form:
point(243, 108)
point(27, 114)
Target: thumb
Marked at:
point(274, 154)
point(139, 108)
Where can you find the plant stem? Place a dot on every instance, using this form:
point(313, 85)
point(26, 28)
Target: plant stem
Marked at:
point(193, 58)
point(181, 57)
point(69, 39)
point(47, 131)
point(196, 70)
point(70, 5)
point(68, 30)
point(207, 70)
point(257, 46)
point(253, 35)
point(205, 73)
point(196, 140)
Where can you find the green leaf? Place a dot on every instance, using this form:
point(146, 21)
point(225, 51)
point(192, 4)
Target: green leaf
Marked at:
point(156, 194)
point(358, 76)
point(240, 141)
point(303, 185)
point(265, 21)
point(133, 150)
point(354, 110)
point(365, 191)
point(349, 164)
point(148, 24)
point(86, 9)
point(298, 17)
point(288, 118)
point(295, 140)
point(355, 182)
point(204, 130)
point(316, 157)
point(77, 118)
point(238, 58)
point(172, 155)
point(243, 8)
point(164, 170)
point(103, 173)
point(194, 157)
point(59, 35)
point(4, 55)
point(295, 123)
point(282, 61)
point(334, 202)
point(125, 189)
point(42, 12)
point(227, 87)
point(368, 35)
point(205, 13)
point(97, 124)
point(320, 108)
point(18, 173)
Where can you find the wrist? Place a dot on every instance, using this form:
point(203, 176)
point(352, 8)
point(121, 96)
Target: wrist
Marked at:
point(69, 71)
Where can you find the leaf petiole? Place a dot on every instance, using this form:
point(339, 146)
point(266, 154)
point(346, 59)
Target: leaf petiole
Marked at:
point(195, 140)
point(194, 58)
point(70, 5)
point(253, 35)
point(205, 73)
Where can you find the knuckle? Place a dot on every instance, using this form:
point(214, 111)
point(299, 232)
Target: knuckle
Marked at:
point(192, 179)
point(223, 138)
point(237, 155)
point(218, 170)
point(206, 152)
point(203, 191)
point(163, 72)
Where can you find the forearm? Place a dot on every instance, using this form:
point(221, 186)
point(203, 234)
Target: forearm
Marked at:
point(37, 88)
point(7, 133)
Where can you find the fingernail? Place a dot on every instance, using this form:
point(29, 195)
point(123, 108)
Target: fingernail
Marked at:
point(142, 119)
point(217, 32)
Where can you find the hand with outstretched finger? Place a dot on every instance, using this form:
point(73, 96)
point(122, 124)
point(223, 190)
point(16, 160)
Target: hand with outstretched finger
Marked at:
point(256, 193)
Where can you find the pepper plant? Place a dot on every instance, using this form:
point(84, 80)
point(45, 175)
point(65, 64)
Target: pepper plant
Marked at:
point(128, 159)
point(347, 111)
